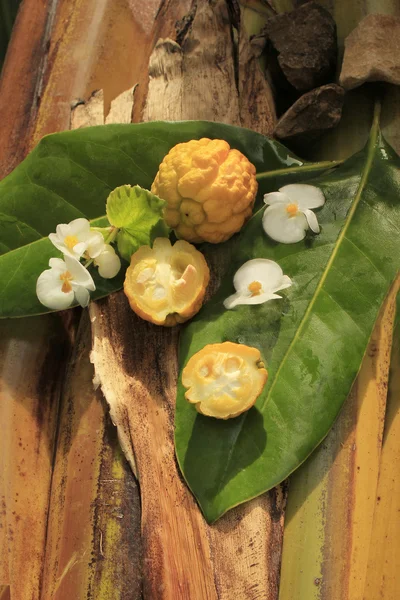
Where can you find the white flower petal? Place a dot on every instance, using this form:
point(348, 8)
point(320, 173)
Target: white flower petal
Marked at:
point(57, 264)
point(79, 226)
point(233, 300)
point(108, 262)
point(260, 299)
point(283, 228)
point(77, 251)
point(81, 276)
point(263, 271)
point(95, 244)
point(312, 220)
point(239, 298)
point(82, 296)
point(49, 292)
point(79, 229)
point(53, 237)
point(63, 230)
point(276, 197)
point(59, 244)
point(285, 283)
point(267, 272)
point(305, 195)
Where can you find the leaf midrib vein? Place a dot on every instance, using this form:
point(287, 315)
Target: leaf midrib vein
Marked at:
point(364, 177)
point(363, 181)
point(18, 220)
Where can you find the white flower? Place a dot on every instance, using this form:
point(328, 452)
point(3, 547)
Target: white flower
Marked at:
point(256, 282)
point(108, 262)
point(65, 281)
point(288, 215)
point(76, 238)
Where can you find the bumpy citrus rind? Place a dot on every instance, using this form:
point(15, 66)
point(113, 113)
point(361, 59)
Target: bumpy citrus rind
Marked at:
point(209, 190)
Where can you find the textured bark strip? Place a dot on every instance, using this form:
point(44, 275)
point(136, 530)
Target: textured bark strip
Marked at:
point(136, 365)
point(383, 579)
point(5, 593)
point(90, 113)
point(353, 477)
point(93, 547)
point(33, 354)
point(256, 102)
point(331, 497)
point(208, 69)
point(92, 44)
point(20, 80)
point(165, 65)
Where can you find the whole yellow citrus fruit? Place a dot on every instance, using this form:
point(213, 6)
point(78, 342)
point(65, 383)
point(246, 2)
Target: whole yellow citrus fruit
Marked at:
point(209, 190)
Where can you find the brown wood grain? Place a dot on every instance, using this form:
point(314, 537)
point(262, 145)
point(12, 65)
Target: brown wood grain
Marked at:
point(50, 62)
point(93, 532)
point(73, 531)
point(33, 356)
point(21, 80)
point(183, 556)
point(136, 364)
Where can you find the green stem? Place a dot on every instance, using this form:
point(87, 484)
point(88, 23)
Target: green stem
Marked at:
point(102, 229)
point(113, 234)
point(376, 119)
point(317, 166)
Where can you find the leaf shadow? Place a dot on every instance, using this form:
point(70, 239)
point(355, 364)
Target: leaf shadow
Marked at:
point(254, 447)
point(242, 440)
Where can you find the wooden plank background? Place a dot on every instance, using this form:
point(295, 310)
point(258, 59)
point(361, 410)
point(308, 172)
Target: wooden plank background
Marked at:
point(73, 524)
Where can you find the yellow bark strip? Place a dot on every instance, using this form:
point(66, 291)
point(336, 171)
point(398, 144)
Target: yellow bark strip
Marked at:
point(94, 44)
point(93, 540)
point(331, 497)
point(354, 474)
point(33, 355)
point(383, 579)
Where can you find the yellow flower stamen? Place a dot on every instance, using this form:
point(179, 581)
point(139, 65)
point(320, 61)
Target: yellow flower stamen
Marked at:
point(255, 288)
point(70, 241)
point(292, 209)
point(66, 278)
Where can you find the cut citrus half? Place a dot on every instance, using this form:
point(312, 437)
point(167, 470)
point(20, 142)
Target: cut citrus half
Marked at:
point(166, 284)
point(224, 380)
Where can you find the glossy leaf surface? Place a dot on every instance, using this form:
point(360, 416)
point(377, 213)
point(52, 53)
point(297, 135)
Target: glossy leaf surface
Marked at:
point(71, 174)
point(312, 341)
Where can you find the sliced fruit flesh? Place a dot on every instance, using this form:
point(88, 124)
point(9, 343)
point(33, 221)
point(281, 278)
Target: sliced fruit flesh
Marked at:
point(224, 380)
point(166, 279)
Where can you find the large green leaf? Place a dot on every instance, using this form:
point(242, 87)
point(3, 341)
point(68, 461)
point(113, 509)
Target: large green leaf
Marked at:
point(70, 175)
point(312, 341)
